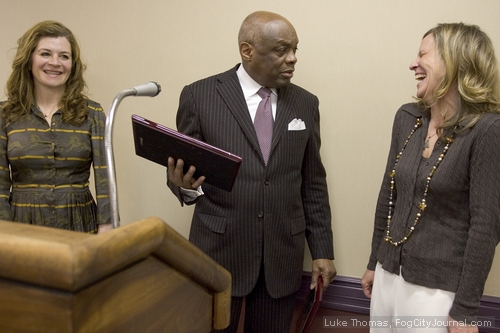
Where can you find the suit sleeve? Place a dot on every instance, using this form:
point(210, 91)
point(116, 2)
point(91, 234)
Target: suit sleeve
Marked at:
point(187, 123)
point(315, 196)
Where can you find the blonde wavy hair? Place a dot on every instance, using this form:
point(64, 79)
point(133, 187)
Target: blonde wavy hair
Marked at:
point(471, 68)
point(20, 89)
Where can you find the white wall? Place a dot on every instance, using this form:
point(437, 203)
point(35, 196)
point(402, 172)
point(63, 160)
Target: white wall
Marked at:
point(354, 55)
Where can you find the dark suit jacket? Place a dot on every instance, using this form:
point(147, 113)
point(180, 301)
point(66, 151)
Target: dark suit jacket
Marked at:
point(271, 209)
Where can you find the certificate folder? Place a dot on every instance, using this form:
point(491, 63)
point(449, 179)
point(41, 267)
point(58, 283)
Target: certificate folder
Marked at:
point(156, 143)
point(310, 307)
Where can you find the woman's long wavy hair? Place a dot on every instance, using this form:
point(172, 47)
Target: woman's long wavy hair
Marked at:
point(471, 68)
point(20, 89)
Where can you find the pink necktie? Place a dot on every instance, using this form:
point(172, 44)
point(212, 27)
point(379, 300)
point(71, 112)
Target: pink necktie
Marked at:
point(263, 122)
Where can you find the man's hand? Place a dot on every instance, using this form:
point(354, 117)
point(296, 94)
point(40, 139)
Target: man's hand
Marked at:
point(176, 175)
point(326, 269)
point(367, 282)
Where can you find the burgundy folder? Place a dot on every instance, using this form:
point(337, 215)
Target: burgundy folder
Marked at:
point(310, 308)
point(156, 143)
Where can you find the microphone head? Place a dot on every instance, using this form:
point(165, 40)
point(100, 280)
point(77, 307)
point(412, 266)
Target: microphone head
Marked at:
point(150, 89)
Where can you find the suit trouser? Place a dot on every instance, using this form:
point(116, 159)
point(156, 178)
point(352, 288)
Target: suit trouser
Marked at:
point(408, 306)
point(263, 314)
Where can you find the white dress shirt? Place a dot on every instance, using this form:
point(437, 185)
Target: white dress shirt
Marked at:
point(250, 89)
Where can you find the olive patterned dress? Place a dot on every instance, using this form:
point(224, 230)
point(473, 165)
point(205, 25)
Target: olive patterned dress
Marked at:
point(45, 171)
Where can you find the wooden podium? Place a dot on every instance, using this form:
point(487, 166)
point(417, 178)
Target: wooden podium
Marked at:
point(142, 277)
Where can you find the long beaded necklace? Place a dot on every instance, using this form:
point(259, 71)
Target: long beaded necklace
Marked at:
point(423, 204)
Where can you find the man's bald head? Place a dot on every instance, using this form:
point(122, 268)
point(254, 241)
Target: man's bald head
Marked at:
point(253, 27)
point(268, 43)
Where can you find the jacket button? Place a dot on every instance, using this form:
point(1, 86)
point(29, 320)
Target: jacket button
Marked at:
point(260, 215)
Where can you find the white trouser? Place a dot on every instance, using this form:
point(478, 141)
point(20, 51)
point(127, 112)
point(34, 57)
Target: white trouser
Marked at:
point(410, 307)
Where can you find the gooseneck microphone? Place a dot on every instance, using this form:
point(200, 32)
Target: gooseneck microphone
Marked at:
point(150, 89)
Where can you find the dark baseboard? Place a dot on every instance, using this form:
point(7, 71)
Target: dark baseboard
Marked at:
point(345, 294)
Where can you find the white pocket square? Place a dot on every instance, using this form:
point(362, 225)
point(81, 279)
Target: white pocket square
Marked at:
point(296, 125)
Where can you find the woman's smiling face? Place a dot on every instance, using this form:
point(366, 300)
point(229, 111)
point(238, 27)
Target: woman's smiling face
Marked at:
point(51, 63)
point(429, 69)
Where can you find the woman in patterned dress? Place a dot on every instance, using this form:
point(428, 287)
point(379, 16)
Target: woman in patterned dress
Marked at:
point(50, 136)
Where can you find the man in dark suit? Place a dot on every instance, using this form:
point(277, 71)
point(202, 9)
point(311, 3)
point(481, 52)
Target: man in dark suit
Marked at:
point(257, 230)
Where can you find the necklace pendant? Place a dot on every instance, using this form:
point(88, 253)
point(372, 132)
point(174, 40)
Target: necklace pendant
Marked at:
point(426, 144)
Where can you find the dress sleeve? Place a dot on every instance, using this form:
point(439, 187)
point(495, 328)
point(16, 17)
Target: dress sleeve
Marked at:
point(5, 180)
point(484, 227)
point(99, 164)
point(382, 208)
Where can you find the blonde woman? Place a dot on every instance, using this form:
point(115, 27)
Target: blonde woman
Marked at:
point(437, 220)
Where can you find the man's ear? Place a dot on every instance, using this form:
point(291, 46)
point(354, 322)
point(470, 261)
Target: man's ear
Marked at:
point(246, 51)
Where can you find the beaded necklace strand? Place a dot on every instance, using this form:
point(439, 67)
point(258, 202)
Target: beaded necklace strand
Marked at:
point(423, 204)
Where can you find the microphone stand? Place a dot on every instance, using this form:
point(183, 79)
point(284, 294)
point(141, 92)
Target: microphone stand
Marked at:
point(150, 89)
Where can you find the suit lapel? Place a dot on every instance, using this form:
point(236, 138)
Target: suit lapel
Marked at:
point(229, 88)
point(283, 110)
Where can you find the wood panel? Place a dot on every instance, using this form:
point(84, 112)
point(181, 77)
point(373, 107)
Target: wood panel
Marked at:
point(146, 297)
point(143, 277)
point(148, 294)
point(31, 309)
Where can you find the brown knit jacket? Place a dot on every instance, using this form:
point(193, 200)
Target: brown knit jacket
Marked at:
point(454, 242)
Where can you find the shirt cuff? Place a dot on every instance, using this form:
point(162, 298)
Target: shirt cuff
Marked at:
point(189, 195)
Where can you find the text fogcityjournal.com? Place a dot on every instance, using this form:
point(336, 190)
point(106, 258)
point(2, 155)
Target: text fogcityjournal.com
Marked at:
point(400, 322)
